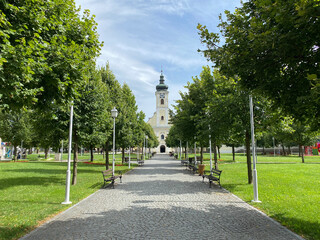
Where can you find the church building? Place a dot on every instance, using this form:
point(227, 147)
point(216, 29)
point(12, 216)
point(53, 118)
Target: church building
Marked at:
point(160, 119)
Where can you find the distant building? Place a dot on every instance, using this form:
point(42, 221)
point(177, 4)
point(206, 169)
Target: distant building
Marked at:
point(160, 119)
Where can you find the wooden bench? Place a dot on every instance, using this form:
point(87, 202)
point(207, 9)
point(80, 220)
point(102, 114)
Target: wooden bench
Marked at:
point(110, 179)
point(212, 176)
point(192, 167)
point(140, 162)
point(184, 162)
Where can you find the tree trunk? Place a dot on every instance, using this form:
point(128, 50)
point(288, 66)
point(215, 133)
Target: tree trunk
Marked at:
point(283, 149)
point(233, 154)
point(185, 152)
point(107, 155)
point(123, 155)
point(289, 150)
point(15, 156)
point(302, 153)
point(218, 147)
point(75, 158)
point(46, 150)
point(248, 157)
point(201, 155)
point(215, 157)
point(91, 153)
point(142, 153)
point(263, 151)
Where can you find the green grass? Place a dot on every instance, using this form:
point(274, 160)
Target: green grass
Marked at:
point(240, 157)
point(33, 191)
point(289, 192)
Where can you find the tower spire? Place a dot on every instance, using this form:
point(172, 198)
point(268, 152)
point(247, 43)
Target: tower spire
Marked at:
point(161, 85)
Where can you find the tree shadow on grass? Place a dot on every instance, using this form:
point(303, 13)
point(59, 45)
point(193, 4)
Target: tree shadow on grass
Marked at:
point(308, 229)
point(31, 181)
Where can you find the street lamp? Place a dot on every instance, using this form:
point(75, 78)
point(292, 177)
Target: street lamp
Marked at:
point(180, 150)
point(210, 149)
point(67, 196)
point(195, 151)
point(114, 114)
point(147, 146)
point(255, 177)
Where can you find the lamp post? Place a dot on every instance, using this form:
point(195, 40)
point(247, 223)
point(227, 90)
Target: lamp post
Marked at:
point(114, 114)
point(255, 177)
point(187, 151)
point(210, 149)
point(144, 148)
point(180, 150)
point(129, 156)
point(67, 196)
point(147, 146)
point(195, 151)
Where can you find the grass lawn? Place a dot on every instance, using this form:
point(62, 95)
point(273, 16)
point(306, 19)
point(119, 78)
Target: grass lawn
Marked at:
point(289, 192)
point(33, 191)
point(240, 157)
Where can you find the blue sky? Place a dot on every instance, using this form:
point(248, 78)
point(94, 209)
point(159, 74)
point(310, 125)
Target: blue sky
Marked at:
point(140, 36)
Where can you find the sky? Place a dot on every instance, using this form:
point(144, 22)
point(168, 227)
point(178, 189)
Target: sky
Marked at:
point(141, 37)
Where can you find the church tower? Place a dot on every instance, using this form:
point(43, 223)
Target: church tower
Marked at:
point(160, 119)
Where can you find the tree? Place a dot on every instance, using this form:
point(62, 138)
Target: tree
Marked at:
point(126, 119)
point(45, 50)
point(15, 128)
point(115, 93)
point(273, 49)
point(91, 116)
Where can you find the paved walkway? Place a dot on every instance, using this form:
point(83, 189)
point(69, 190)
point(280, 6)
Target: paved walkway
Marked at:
point(162, 200)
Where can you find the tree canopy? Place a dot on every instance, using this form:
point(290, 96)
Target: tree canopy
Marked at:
point(273, 49)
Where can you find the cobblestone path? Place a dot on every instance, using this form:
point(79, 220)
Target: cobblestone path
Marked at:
point(162, 200)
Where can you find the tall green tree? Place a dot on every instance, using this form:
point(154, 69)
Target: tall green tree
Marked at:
point(273, 48)
point(15, 128)
point(91, 116)
point(45, 49)
point(127, 119)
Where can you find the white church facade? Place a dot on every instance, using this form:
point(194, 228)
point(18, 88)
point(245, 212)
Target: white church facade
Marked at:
point(160, 119)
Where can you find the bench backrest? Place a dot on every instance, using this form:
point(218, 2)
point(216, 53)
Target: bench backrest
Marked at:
point(107, 172)
point(216, 171)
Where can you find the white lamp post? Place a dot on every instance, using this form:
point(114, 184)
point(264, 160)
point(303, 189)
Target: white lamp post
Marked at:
point(210, 149)
point(129, 156)
point(147, 145)
point(114, 114)
point(195, 151)
point(144, 148)
point(180, 150)
point(67, 197)
point(255, 177)
point(187, 151)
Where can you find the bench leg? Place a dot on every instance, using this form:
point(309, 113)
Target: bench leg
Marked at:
point(120, 179)
point(210, 182)
point(202, 178)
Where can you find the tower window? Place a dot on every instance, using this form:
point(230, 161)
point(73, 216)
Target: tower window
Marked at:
point(162, 117)
point(162, 136)
point(162, 101)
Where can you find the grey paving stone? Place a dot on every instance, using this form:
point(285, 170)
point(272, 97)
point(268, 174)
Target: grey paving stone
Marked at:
point(162, 200)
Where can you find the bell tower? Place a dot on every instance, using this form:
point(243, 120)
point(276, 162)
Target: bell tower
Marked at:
point(162, 95)
point(160, 120)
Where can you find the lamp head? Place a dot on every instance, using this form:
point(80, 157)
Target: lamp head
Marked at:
point(114, 112)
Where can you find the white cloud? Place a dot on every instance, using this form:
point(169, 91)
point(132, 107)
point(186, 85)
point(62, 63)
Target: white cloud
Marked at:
point(139, 36)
